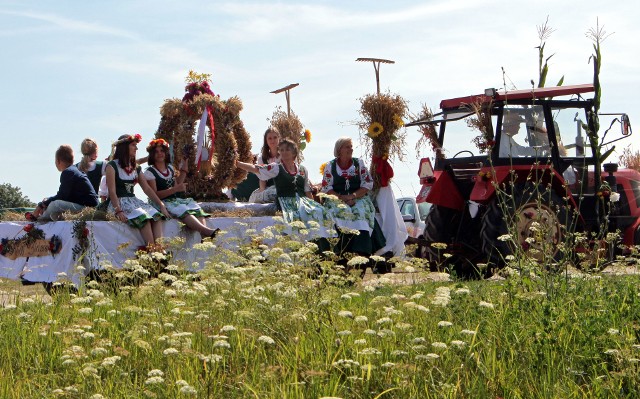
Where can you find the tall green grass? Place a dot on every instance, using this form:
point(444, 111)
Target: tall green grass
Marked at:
point(261, 328)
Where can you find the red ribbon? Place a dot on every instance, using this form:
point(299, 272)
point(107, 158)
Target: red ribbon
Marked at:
point(383, 169)
point(213, 131)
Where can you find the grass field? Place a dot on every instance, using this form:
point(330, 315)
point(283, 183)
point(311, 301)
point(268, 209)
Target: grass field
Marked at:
point(268, 328)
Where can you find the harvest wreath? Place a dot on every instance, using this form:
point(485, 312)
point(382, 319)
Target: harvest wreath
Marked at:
point(209, 158)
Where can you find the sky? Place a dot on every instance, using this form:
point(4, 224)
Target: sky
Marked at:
point(76, 69)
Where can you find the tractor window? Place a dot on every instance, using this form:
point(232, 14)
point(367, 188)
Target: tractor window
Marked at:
point(572, 139)
point(463, 137)
point(523, 132)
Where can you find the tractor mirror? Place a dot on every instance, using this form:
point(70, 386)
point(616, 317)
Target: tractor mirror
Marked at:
point(626, 125)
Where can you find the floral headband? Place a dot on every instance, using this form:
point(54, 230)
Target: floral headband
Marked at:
point(156, 143)
point(127, 139)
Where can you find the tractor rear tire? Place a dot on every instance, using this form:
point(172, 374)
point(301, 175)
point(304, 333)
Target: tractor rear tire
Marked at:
point(440, 227)
point(527, 205)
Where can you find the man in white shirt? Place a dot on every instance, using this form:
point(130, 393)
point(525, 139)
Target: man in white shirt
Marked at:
point(508, 146)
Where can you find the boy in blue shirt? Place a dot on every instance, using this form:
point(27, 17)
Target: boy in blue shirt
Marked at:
point(75, 192)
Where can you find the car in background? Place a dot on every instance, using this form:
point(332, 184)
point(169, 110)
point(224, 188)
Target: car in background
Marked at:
point(414, 215)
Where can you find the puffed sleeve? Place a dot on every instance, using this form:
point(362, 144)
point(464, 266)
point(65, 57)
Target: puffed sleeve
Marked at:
point(269, 171)
point(148, 175)
point(303, 172)
point(365, 178)
point(327, 178)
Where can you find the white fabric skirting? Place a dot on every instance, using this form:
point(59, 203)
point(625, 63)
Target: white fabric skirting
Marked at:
point(391, 223)
point(111, 243)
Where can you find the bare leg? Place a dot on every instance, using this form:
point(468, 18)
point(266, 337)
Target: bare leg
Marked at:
point(147, 234)
point(195, 224)
point(156, 228)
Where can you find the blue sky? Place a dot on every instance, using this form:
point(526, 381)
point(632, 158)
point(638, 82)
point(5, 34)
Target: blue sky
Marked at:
point(75, 69)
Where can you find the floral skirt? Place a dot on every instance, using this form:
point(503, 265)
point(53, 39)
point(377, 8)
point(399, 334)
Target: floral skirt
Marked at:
point(137, 211)
point(181, 207)
point(360, 216)
point(303, 213)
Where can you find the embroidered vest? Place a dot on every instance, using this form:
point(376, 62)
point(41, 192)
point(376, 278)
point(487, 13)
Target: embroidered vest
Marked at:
point(95, 175)
point(124, 187)
point(162, 182)
point(289, 185)
point(343, 184)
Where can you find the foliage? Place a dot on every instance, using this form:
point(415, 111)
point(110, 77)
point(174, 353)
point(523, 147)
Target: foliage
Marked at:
point(428, 133)
point(12, 197)
point(481, 121)
point(544, 32)
point(629, 159)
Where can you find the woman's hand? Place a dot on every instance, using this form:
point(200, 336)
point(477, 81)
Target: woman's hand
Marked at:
point(121, 216)
point(349, 199)
point(164, 211)
point(180, 187)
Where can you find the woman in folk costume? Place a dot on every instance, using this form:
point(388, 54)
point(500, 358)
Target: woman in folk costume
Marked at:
point(162, 179)
point(266, 191)
point(292, 187)
point(123, 174)
point(89, 164)
point(347, 182)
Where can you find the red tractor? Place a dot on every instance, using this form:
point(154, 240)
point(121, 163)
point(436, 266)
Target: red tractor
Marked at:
point(534, 170)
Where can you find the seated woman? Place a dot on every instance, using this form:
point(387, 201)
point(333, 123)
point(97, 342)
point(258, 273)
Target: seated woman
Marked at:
point(163, 181)
point(292, 187)
point(266, 191)
point(89, 165)
point(122, 175)
point(348, 181)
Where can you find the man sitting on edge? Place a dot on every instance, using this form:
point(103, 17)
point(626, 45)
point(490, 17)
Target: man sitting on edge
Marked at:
point(75, 192)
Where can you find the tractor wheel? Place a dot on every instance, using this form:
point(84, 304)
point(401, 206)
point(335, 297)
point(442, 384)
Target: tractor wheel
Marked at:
point(440, 227)
point(537, 221)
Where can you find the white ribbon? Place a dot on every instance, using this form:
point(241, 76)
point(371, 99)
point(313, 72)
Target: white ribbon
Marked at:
point(200, 140)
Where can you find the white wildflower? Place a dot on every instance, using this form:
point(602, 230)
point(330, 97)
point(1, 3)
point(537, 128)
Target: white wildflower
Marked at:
point(222, 344)
point(439, 345)
point(154, 380)
point(346, 314)
point(444, 323)
point(170, 352)
point(227, 328)
point(484, 304)
point(357, 260)
point(265, 339)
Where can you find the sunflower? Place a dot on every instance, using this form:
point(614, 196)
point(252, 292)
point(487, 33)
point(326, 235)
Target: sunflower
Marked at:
point(397, 119)
point(324, 165)
point(375, 129)
point(307, 135)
